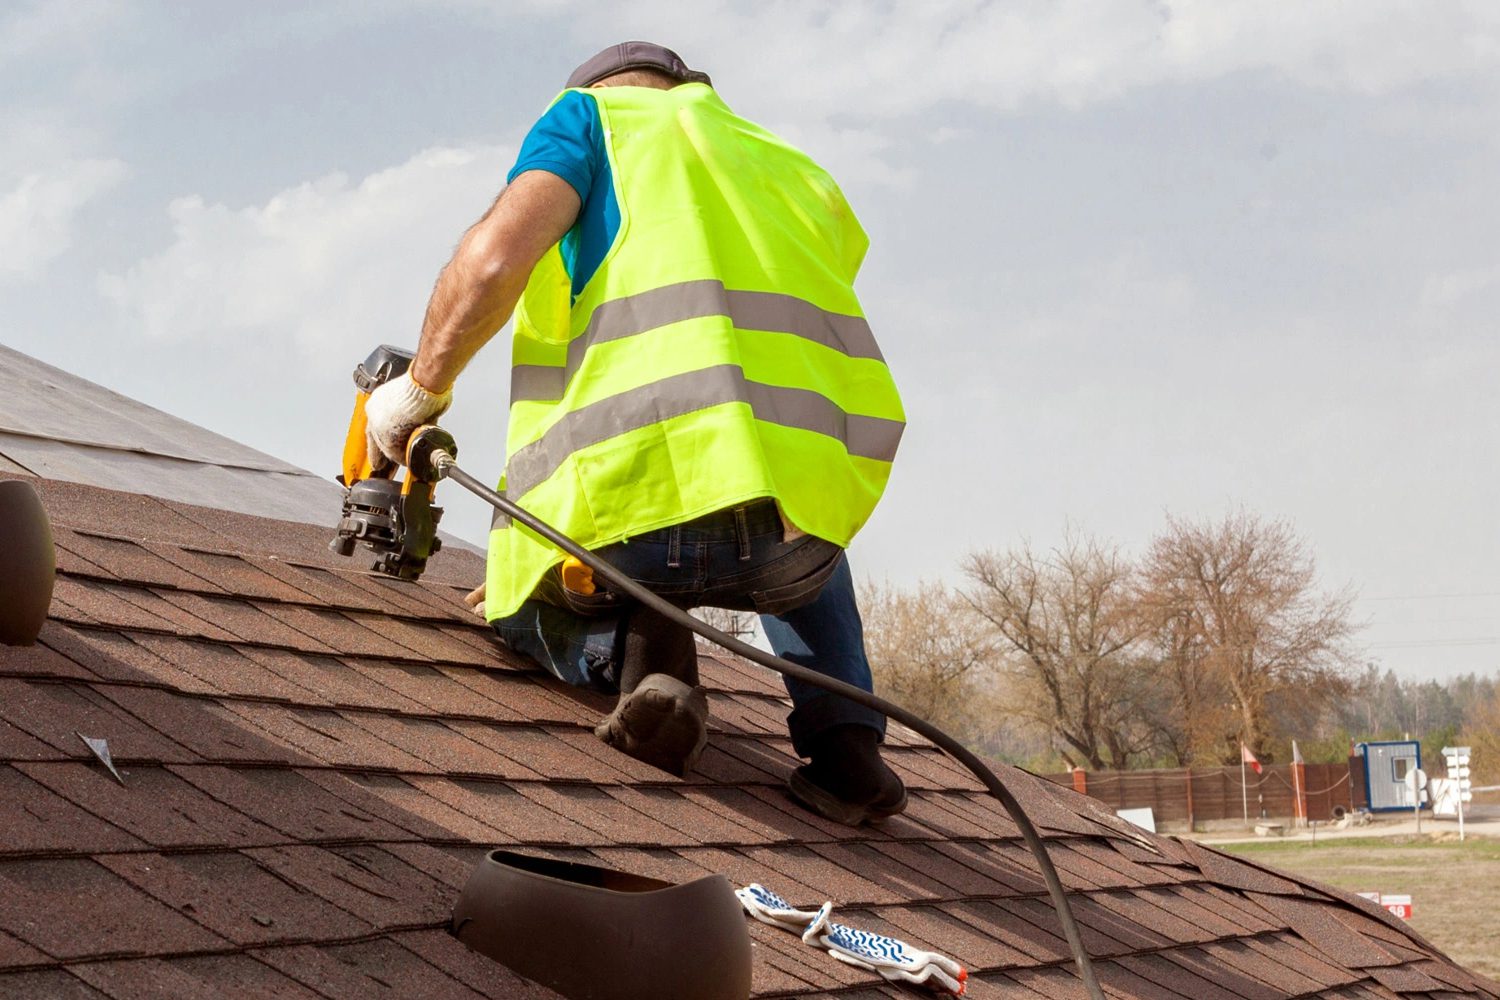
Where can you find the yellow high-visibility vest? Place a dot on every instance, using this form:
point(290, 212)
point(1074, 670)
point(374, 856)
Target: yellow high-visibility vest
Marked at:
point(717, 355)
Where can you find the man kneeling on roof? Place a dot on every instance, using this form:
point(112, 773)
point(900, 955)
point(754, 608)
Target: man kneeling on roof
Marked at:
point(695, 396)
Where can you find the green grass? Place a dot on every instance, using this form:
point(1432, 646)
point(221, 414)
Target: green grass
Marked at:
point(1473, 849)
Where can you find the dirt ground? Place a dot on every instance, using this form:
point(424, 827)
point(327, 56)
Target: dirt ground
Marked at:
point(1455, 888)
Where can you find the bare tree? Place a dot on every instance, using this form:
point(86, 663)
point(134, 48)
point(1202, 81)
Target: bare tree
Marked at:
point(930, 654)
point(1070, 627)
point(1247, 629)
point(1197, 712)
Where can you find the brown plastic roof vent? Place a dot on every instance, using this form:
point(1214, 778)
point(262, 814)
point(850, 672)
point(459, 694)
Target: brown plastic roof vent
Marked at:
point(596, 934)
point(28, 563)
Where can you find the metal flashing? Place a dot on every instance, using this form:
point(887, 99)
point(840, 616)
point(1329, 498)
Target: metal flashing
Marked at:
point(100, 749)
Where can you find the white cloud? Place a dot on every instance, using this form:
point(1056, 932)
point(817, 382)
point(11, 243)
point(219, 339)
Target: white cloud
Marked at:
point(899, 58)
point(37, 138)
point(48, 24)
point(1447, 290)
point(39, 214)
point(326, 268)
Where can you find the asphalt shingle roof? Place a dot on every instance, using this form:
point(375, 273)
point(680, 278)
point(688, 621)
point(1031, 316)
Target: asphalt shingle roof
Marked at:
point(315, 758)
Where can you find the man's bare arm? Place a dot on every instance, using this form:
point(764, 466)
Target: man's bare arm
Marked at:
point(479, 288)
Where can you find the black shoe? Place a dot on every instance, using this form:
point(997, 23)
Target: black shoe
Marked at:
point(847, 782)
point(663, 722)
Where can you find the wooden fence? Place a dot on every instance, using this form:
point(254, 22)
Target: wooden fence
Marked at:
point(1205, 794)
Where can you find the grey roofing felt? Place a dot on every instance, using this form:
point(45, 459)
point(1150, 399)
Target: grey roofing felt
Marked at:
point(56, 425)
point(59, 426)
point(47, 402)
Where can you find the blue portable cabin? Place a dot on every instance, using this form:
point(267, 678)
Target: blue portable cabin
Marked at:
point(1387, 763)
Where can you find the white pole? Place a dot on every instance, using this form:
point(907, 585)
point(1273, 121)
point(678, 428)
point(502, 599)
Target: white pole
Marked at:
point(1458, 789)
point(1244, 786)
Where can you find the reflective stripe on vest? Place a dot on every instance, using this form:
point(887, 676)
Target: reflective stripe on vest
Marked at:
point(645, 311)
point(866, 437)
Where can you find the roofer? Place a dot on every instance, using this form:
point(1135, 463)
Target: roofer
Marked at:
point(694, 395)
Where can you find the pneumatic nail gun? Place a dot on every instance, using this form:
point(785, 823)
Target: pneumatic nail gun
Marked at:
point(393, 518)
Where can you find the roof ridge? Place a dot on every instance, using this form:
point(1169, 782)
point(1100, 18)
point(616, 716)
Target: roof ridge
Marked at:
point(125, 409)
point(272, 464)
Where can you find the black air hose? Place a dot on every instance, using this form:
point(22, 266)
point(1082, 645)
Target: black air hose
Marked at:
point(445, 467)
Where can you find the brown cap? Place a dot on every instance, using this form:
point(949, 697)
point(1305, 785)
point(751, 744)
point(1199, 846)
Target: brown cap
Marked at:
point(635, 55)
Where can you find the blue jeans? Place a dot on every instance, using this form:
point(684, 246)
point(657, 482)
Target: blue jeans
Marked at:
point(733, 559)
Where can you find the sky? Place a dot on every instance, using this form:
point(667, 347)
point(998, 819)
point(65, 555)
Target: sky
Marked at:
point(1129, 258)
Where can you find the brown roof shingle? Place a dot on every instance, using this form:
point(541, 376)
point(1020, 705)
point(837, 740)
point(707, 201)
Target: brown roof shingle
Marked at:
point(314, 758)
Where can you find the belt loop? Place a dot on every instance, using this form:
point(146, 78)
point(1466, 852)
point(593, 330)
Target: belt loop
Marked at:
point(742, 532)
point(674, 547)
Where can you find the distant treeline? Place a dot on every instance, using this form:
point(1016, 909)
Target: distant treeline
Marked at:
point(1382, 706)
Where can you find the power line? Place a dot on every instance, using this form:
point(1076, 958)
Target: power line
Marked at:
point(1429, 597)
point(1489, 640)
point(1398, 623)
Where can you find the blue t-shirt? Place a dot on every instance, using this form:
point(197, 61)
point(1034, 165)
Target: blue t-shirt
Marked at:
point(569, 141)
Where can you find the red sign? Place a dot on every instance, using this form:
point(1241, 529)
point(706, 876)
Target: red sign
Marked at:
point(1400, 905)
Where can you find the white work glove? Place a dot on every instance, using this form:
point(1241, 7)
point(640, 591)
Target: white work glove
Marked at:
point(393, 411)
point(769, 908)
point(893, 959)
